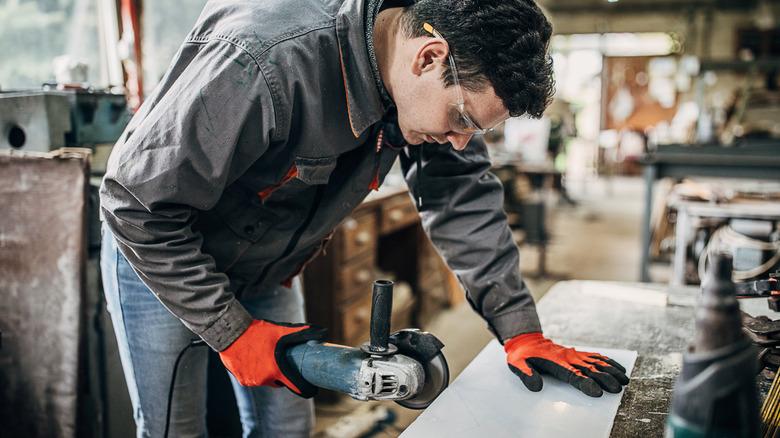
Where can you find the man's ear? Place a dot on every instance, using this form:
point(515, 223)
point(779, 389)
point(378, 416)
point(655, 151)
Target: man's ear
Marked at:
point(429, 56)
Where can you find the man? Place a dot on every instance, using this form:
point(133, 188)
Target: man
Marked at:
point(276, 118)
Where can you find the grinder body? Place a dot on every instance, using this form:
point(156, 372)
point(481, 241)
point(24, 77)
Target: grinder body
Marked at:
point(350, 371)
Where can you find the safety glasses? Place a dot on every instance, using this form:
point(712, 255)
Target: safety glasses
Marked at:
point(459, 120)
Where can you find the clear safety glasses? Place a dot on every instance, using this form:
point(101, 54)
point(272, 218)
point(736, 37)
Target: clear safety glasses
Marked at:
point(459, 120)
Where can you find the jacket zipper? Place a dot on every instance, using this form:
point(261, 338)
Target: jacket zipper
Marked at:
point(374, 185)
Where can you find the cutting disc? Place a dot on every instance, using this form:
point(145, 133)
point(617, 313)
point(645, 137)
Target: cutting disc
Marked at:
point(437, 377)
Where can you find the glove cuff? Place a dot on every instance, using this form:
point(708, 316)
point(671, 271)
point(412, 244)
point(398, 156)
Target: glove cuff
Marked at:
point(523, 339)
point(259, 356)
point(286, 367)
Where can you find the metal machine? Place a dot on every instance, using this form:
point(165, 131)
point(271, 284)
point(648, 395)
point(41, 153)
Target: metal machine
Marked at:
point(45, 120)
point(42, 121)
point(768, 287)
point(763, 331)
point(715, 395)
point(407, 366)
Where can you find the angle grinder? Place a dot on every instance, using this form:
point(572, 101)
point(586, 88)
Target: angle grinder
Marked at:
point(407, 366)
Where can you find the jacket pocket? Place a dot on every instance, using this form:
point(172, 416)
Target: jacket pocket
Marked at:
point(315, 171)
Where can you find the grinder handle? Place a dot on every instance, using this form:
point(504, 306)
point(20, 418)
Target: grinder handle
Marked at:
point(381, 308)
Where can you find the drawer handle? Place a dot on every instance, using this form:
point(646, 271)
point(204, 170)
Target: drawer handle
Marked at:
point(362, 315)
point(363, 237)
point(350, 224)
point(396, 215)
point(363, 276)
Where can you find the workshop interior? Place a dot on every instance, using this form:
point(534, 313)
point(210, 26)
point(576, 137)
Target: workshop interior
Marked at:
point(645, 203)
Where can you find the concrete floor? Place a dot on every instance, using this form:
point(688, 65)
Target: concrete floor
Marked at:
point(596, 240)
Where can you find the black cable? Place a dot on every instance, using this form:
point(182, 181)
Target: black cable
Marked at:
point(194, 343)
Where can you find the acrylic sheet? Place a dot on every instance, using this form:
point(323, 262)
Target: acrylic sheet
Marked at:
point(487, 400)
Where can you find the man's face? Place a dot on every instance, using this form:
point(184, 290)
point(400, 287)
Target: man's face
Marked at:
point(425, 106)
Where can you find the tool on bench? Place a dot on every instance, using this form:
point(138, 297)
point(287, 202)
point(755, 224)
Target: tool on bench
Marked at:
point(715, 395)
point(769, 288)
point(764, 332)
point(407, 366)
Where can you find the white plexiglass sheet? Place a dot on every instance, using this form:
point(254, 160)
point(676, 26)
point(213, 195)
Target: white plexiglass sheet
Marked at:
point(488, 401)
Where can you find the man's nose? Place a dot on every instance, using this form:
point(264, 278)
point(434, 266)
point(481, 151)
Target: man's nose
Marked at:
point(459, 141)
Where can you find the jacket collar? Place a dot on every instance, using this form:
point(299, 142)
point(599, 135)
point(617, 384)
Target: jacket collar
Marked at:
point(364, 104)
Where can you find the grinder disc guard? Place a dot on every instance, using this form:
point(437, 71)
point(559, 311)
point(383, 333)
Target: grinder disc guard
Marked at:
point(425, 348)
point(437, 378)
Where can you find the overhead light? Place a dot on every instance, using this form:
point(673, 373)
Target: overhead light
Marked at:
point(612, 1)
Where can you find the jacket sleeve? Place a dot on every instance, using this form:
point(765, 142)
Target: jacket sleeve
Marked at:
point(462, 213)
point(211, 117)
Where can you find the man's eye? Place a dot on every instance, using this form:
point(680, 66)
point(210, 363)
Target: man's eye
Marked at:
point(462, 123)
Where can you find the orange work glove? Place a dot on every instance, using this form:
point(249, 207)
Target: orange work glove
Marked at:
point(257, 357)
point(530, 354)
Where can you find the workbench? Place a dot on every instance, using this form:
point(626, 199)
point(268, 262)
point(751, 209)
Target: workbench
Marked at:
point(755, 161)
point(655, 320)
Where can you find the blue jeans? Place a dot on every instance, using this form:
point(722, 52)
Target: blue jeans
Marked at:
point(150, 338)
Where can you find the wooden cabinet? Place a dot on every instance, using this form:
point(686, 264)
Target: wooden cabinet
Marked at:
point(355, 279)
point(359, 234)
point(382, 237)
point(397, 212)
point(433, 281)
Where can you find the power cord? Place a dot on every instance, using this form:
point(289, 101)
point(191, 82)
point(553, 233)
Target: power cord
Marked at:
point(194, 343)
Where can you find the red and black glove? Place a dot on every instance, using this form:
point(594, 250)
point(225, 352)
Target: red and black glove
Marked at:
point(257, 357)
point(530, 354)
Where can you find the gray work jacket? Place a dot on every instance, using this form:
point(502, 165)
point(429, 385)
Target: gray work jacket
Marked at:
point(264, 134)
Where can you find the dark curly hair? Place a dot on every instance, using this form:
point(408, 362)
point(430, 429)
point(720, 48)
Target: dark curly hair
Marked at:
point(504, 42)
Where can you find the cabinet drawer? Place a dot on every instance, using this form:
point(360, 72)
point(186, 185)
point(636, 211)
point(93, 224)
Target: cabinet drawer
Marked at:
point(398, 212)
point(359, 236)
point(355, 319)
point(429, 280)
point(428, 259)
point(431, 302)
point(355, 279)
